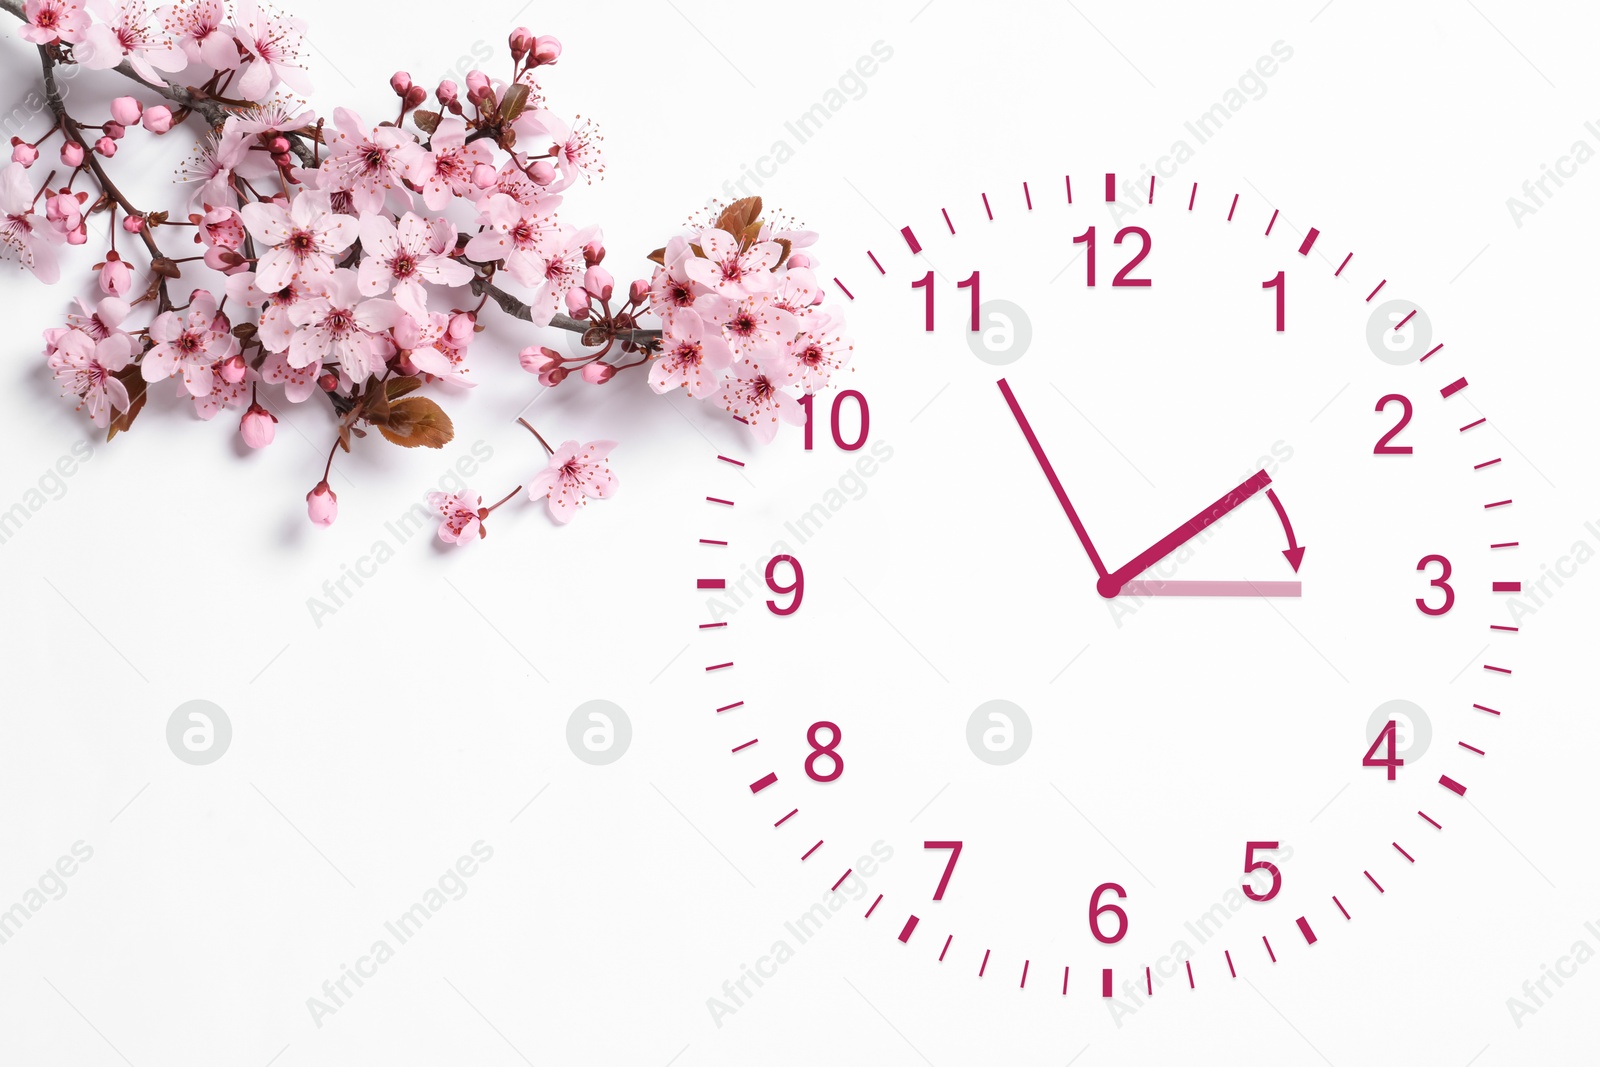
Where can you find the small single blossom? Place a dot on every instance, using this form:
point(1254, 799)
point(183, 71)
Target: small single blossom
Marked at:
point(461, 525)
point(516, 234)
point(575, 474)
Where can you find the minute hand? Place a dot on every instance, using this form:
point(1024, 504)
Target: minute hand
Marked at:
point(1111, 585)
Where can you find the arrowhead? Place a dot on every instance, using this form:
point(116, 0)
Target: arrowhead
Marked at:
point(1294, 556)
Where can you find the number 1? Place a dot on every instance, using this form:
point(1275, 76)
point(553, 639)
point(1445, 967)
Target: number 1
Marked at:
point(1278, 284)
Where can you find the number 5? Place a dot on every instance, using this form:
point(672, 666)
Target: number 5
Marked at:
point(1251, 865)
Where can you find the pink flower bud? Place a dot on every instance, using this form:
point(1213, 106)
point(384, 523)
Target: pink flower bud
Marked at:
point(133, 223)
point(400, 82)
point(24, 153)
point(78, 236)
point(415, 97)
point(322, 504)
point(798, 261)
point(477, 82)
point(126, 110)
point(157, 119)
point(577, 303)
point(553, 376)
point(546, 50)
point(115, 277)
point(115, 130)
point(328, 380)
point(233, 369)
point(542, 172)
point(72, 154)
point(106, 147)
point(448, 92)
point(597, 280)
point(598, 373)
point(522, 41)
point(484, 176)
point(594, 253)
point(638, 291)
point(463, 324)
point(257, 427)
point(536, 359)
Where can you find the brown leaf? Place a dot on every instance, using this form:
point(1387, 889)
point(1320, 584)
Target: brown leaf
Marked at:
point(132, 380)
point(750, 234)
point(512, 104)
point(739, 214)
point(659, 256)
point(427, 121)
point(395, 388)
point(784, 243)
point(417, 420)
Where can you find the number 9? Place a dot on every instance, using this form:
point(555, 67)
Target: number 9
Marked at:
point(797, 586)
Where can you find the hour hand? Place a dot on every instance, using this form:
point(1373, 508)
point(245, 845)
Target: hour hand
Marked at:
point(1110, 585)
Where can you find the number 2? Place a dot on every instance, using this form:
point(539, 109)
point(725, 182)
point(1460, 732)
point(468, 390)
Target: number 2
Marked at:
point(1383, 447)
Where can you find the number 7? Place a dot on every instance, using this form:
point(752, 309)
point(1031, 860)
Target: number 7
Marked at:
point(949, 868)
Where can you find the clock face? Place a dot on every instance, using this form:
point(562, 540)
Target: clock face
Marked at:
point(1128, 623)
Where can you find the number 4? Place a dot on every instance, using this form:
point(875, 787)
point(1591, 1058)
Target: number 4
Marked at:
point(1385, 737)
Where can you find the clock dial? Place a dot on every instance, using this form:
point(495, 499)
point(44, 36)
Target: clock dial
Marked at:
point(1131, 599)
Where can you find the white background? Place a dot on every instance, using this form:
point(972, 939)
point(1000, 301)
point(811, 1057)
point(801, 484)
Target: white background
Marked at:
point(371, 752)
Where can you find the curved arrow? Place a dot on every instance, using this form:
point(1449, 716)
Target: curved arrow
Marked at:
point(1294, 553)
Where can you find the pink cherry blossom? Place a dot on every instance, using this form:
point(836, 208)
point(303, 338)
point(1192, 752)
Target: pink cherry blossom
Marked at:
point(24, 235)
point(53, 20)
point(101, 321)
point(84, 367)
point(515, 233)
point(202, 34)
point(576, 145)
point(223, 394)
point(575, 473)
point(426, 339)
point(300, 242)
point(338, 325)
point(754, 392)
point(272, 41)
point(128, 29)
point(559, 267)
point(692, 357)
point(444, 168)
point(274, 327)
point(817, 352)
point(219, 155)
point(189, 345)
point(408, 255)
point(757, 322)
point(299, 383)
point(732, 270)
point(366, 162)
point(461, 524)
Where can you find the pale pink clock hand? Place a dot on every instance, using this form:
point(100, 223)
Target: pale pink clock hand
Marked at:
point(1110, 585)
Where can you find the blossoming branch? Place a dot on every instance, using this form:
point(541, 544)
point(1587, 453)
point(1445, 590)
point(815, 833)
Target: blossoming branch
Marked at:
point(354, 262)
